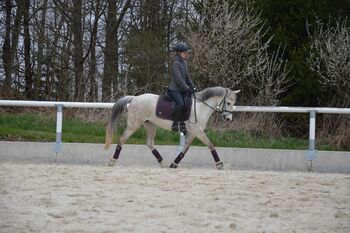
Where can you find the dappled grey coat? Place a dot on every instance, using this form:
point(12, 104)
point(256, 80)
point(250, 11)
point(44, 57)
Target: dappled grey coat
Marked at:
point(181, 80)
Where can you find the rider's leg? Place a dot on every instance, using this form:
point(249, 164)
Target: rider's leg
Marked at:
point(178, 111)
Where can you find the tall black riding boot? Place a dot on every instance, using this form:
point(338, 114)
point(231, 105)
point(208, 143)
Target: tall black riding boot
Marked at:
point(175, 126)
point(177, 113)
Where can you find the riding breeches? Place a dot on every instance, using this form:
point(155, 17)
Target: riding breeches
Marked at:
point(178, 98)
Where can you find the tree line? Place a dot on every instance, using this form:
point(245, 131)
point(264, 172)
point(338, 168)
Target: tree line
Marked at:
point(83, 49)
point(277, 52)
point(99, 50)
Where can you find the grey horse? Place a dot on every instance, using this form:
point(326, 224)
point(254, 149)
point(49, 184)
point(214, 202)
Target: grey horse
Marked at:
point(140, 111)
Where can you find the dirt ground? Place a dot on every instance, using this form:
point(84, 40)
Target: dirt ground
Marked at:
point(73, 198)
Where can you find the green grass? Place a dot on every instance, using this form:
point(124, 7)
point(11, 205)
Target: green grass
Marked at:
point(38, 127)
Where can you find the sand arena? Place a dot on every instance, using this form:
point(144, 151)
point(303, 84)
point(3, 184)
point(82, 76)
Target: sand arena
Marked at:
point(76, 198)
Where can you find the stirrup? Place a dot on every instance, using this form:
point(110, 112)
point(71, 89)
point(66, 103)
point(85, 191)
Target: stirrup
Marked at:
point(183, 128)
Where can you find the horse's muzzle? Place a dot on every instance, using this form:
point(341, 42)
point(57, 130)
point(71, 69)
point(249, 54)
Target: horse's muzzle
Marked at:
point(228, 118)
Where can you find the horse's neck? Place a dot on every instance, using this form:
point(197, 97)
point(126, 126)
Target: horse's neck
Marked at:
point(208, 111)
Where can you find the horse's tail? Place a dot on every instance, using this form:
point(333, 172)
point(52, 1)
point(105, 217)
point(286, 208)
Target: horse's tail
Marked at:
point(118, 108)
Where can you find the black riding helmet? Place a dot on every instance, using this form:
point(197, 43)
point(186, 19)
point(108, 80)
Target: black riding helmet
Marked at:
point(181, 47)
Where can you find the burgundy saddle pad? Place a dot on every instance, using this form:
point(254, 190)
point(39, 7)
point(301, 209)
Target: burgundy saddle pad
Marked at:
point(165, 107)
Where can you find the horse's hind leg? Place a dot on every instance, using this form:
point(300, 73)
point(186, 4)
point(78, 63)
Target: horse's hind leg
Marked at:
point(204, 138)
point(151, 130)
point(130, 129)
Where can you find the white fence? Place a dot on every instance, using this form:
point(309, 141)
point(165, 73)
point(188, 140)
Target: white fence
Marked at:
point(311, 154)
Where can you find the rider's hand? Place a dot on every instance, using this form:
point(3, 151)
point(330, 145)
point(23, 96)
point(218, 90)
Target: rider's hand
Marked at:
point(193, 90)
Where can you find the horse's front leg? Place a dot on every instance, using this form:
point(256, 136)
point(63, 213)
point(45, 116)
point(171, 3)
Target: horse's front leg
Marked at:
point(189, 139)
point(202, 136)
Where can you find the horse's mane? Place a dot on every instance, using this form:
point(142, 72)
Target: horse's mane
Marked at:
point(211, 92)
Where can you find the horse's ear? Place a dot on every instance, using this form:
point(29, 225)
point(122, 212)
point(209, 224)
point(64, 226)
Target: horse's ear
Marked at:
point(236, 92)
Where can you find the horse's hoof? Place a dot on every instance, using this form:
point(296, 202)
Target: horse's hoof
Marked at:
point(220, 165)
point(161, 164)
point(173, 165)
point(112, 162)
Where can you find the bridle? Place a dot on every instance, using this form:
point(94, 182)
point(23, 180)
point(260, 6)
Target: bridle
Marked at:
point(218, 109)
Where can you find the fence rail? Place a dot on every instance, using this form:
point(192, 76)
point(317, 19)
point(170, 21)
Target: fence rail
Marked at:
point(25, 103)
point(291, 109)
point(310, 156)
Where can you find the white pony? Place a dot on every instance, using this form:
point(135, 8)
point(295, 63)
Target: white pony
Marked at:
point(140, 111)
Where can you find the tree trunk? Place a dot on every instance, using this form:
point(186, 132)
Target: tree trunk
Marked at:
point(111, 49)
point(10, 44)
point(6, 48)
point(28, 73)
point(40, 53)
point(15, 32)
point(78, 50)
point(52, 60)
point(93, 92)
point(64, 80)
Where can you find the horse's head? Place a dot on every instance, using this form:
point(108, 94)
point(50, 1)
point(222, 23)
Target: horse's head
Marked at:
point(223, 98)
point(228, 103)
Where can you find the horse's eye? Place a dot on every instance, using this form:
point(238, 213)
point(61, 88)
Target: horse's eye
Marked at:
point(228, 103)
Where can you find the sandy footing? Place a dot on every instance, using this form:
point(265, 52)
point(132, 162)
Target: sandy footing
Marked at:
point(73, 198)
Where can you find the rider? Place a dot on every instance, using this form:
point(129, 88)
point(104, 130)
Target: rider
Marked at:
point(180, 85)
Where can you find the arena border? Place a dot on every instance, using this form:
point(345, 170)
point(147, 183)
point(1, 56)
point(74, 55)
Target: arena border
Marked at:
point(140, 155)
point(311, 155)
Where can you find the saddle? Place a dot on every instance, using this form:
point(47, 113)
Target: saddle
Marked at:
point(165, 106)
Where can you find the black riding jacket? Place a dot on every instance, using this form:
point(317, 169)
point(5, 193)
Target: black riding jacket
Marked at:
point(181, 80)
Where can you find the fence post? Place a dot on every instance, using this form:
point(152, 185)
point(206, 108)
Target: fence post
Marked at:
point(181, 143)
point(312, 153)
point(57, 147)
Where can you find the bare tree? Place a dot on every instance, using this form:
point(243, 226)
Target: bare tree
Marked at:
point(267, 77)
point(330, 58)
point(223, 43)
point(40, 28)
point(92, 75)
point(28, 72)
point(110, 58)
point(11, 40)
point(77, 30)
point(111, 49)
point(229, 50)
